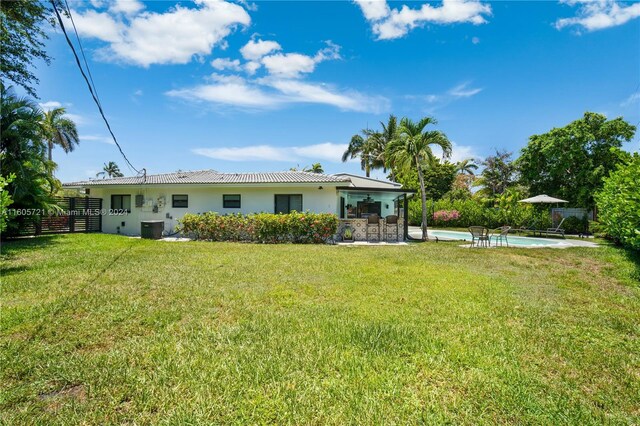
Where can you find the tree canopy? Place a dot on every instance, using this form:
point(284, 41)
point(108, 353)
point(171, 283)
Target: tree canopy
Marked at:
point(22, 38)
point(570, 162)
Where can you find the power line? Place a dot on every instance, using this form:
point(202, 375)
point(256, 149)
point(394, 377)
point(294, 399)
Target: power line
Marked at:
point(84, 58)
point(91, 89)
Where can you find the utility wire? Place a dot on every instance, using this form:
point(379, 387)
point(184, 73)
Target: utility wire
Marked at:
point(86, 79)
point(84, 58)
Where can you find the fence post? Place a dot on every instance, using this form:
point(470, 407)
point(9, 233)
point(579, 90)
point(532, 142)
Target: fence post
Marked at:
point(72, 220)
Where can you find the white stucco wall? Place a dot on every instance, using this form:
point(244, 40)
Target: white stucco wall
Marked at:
point(204, 198)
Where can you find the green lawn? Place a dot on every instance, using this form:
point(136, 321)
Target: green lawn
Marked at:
point(101, 329)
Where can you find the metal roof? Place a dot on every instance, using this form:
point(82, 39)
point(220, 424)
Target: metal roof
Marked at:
point(213, 177)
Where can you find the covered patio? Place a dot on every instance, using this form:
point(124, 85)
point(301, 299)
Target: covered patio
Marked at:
point(357, 205)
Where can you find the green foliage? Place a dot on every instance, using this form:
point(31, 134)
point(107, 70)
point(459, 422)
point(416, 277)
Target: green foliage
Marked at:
point(372, 147)
point(619, 204)
point(575, 225)
point(23, 155)
point(475, 211)
point(22, 39)
point(59, 130)
point(411, 150)
point(302, 228)
point(110, 170)
point(570, 162)
point(498, 175)
point(5, 200)
point(438, 179)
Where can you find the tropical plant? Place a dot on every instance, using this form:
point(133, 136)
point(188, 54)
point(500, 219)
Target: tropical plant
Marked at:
point(59, 130)
point(619, 204)
point(5, 200)
point(372, 148)
point(314, 168)
point(499, 173)
point(110, 170)
point(467, 166)
point(411, 149)
point(22, 155)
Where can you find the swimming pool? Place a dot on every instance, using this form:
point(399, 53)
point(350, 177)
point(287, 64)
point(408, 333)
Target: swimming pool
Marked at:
point(513, 240)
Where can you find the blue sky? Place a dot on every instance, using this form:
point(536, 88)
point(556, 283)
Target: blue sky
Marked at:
point(270, 85)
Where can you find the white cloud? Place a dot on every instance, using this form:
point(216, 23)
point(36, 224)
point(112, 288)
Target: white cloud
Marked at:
point(458, 152)
point(390, 23)
point(596, 15)
point(173, 37)
point(256, 49)
point(252, 67)
point(302, 92)
point(230, 93)
point(97, 138)
point(374, 10)
point(226, 63)
point(438, 101)
point(128, 7)
point(325, 151)
point(268, 93)
point(464, 91)
point(632, 99)
point(475, 40)
point(291, 65)
point(47, 106)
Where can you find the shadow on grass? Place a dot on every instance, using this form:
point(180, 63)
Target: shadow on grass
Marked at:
point(10, 248)
point(634, 257)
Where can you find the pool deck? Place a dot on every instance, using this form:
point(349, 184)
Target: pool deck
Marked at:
point(415, 232)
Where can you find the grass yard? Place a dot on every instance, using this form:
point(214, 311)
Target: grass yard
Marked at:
point(100, 329)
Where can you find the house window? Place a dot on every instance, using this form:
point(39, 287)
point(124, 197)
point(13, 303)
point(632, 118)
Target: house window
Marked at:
point(286, 203)
point(231, 201)
point(121, 202)
point(179, 200)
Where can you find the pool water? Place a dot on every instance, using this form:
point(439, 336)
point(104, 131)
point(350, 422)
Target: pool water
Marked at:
point(513, 240)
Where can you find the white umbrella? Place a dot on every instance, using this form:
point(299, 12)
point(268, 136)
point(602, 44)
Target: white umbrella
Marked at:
point(542, 199)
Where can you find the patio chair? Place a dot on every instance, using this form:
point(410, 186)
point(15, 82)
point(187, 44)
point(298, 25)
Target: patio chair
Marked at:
point(479, 236)
point(373, 221)
point(500, 234)
point(393, 221)
point(555, 231)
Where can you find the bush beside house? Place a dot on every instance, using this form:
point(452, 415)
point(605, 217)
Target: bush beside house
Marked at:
point(301, 228)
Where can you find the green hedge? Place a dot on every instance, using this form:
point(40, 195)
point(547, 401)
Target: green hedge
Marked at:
point(301, 228)
point(619, 204)
point(473, 212)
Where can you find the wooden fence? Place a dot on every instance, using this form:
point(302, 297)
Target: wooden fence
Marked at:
point(78, 214)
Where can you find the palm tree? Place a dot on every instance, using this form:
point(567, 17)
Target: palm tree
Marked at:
point(466, 167)
point(411, 149)
point(314, 168)
point(371, 149)
point(110, 170)
point(59, 130)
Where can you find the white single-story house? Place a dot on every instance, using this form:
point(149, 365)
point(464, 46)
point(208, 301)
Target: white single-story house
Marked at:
point(127, 201)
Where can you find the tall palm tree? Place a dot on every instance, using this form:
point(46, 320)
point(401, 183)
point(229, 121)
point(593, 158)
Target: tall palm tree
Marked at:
point(110, 170)
point(314, 168)
point(411, 149)
point(372, 148)
point(59, 130)
point(466, 167)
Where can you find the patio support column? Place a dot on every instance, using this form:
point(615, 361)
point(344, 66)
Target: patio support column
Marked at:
point(406, 217)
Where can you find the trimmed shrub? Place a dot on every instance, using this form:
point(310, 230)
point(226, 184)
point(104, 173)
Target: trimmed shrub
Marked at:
point(300, 228)
point(619, 204)
point(473, 211)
